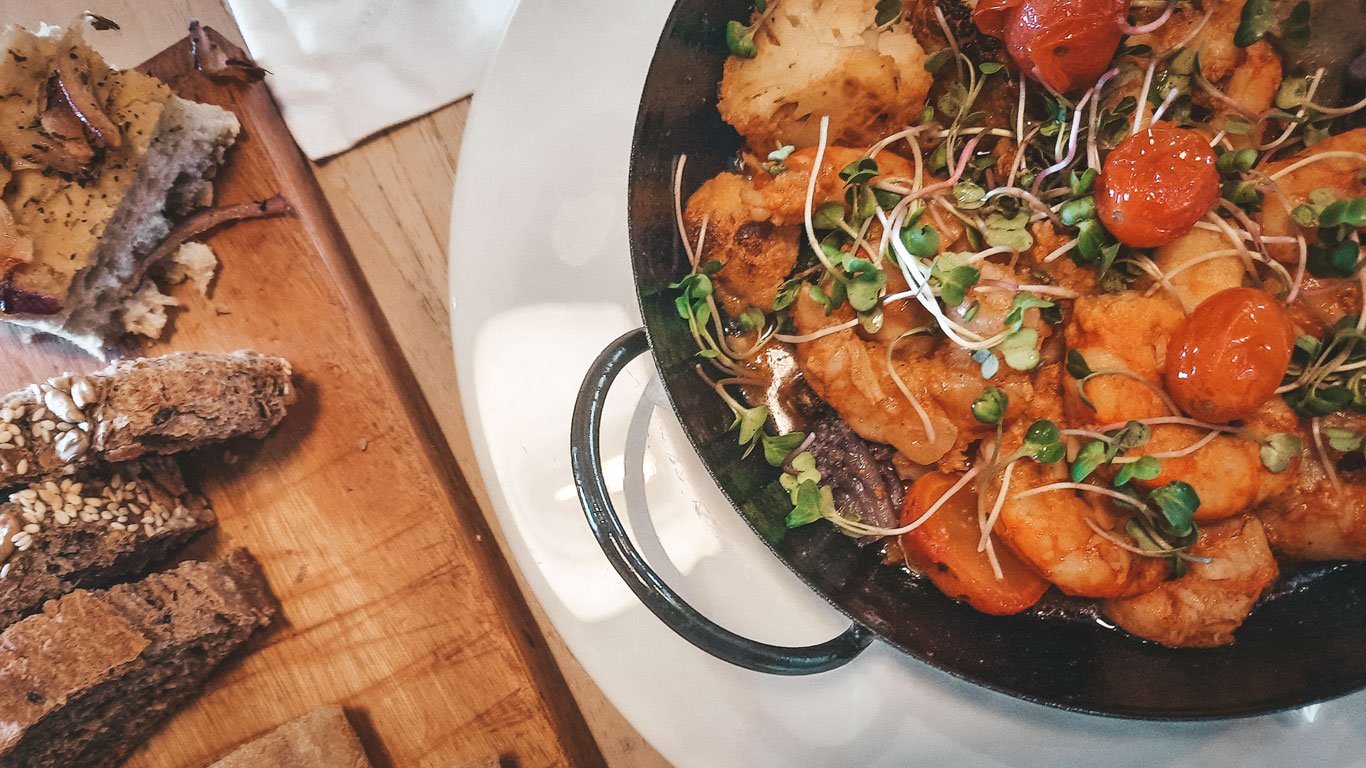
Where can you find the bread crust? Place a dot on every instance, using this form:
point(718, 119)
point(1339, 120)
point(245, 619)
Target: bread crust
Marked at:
point(321, 738)
point(159, 405)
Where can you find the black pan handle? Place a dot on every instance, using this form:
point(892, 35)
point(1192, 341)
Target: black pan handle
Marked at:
point(585, 453)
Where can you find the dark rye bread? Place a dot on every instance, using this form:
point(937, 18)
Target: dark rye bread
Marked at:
point(321, 738)
point(166, 404)
point(88, 679)
point(129, 516)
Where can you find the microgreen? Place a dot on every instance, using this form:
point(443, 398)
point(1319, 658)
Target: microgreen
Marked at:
point(861, 171)
point(1350, 212)
point(951, 271)
point(1258, 18)
point(1042, 443)
point(1076, 365)
point(1322, 387)
point(888, 13)
point(1343, 440)
point(1009, 231)
point(990, 406)
point(1278, 450)
point(1022, 302)
point(921, 240)
point(740, 40)
point(1020, 349)
point(1073, 212)
point(936, 61)
point(1146, 468)
point(778, 448)
point(968, 195)
point(987, 361)
point(1088, 459)
point(1083, 183)
point(1178, 502)
point(753, 319)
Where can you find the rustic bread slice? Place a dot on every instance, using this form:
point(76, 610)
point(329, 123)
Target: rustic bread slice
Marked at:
point(92, 205)
point(89, 678)
point(319, 739)
point(92, 529)
point(136, 407)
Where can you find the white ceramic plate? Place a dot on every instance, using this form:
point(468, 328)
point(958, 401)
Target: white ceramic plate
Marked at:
point(540, 283)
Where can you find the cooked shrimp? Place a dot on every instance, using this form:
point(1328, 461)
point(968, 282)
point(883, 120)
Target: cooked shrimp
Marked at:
point(782, 198)
point(1312, 518)
point(756, 255)
point(1123, 331)
point(1049, 531)
point(1252, 86)
point(1214, 40)
point(1226, 473)
point(1341, 175)
point(851, 374)
point(1202, 608)
point(1194, 275)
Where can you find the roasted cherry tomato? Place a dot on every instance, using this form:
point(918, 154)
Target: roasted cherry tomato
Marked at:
point(1229, 355)
point(1156, 184)
point(1065, 44)
point(945, 549)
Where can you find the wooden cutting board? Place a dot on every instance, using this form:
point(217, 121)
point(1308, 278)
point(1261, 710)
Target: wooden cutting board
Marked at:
point(395, 600)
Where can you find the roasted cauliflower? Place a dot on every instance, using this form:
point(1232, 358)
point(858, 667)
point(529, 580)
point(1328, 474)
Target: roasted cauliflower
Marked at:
point(825, 57)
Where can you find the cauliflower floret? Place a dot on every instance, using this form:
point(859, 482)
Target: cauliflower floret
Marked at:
point(825, 57)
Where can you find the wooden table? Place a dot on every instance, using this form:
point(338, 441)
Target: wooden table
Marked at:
point(392, 195)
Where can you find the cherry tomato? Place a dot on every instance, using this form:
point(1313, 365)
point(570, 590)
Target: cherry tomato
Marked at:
point(945, 549)
point(1156, 184)
point(1065, 44)
point(1229, 355)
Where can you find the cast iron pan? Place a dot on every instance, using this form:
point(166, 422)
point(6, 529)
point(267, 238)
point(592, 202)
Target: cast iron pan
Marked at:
point(1303, 646)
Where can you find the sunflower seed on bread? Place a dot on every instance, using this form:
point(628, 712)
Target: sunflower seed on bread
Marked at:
point(154, 405)
point(89, 530)
point(87, 680)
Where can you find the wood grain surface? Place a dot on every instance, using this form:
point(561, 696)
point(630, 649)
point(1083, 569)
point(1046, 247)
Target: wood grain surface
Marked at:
point(395, 599)
point(392, 198)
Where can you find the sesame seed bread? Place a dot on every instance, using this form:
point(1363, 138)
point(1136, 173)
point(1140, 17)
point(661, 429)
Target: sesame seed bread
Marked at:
point(156, 405)
point(89, 678)
point(321, 738)
point(93, 529)
point(92, 230)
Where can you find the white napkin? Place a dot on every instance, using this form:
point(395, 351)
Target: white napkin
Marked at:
point(344, 69)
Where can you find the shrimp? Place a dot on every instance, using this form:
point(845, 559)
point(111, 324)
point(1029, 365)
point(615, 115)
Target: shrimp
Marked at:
point(754, 224)
point(1049, 531)
point(1252, 86)
point(851, 374)
point(1120, 332)
point(1226, 473)
point(1204, 276)
point(756, 255)
point(1313, 520)
point(1203, 608)
point(1340, 175)
point(849, 370)
point(1214, 41)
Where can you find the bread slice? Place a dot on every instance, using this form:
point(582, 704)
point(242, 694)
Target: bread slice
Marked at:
point(154, 405)
point(88, 679)
point(319, 739)
point(93, 529)
point(93, 224)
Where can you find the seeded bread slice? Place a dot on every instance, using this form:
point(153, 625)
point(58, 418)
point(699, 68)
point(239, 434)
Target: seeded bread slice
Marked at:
point(89, 678)
point(319, 739)
point(92, 529)
point(136, 407)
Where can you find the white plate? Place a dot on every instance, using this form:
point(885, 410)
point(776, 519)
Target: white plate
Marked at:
point(540, 283)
